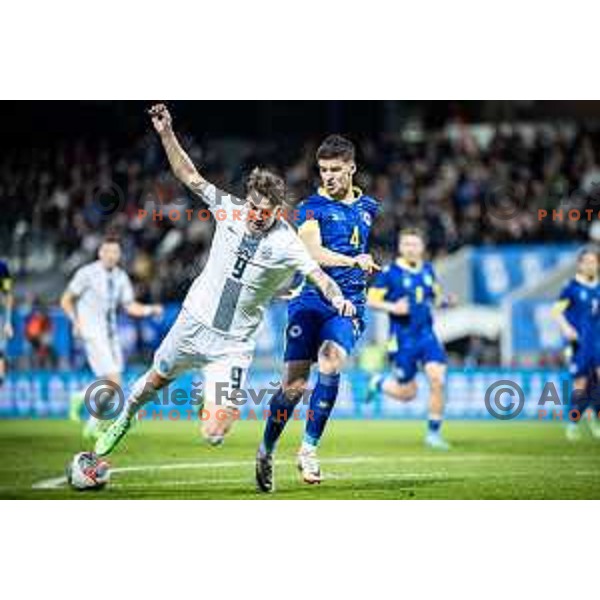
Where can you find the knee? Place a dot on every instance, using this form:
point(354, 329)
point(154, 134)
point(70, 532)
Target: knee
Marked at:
point(437, 381)
point(331, 358)
point(294, 391)
point(156, 381)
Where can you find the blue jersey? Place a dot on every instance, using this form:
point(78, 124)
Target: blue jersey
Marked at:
point(345, 229)
point(581, 305)
point(419, 285)
point(412, 339)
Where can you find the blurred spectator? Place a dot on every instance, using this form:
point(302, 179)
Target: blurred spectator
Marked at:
point(443, 180)
point(38, 332)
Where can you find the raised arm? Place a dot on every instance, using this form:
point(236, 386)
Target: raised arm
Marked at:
point(310, 234)
point(182, 166)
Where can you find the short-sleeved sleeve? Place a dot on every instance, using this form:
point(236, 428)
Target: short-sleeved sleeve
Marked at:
point(127, 295)
point(382, 279)
point(564, 300)
point(221, 204)
point(309, 215)
point(5, 278)
point(379, 287)
point(78, 283)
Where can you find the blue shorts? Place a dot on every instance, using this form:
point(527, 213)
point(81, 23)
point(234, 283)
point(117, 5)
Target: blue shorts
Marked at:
point(312, 321)
point(583, 359)
point(413, 353)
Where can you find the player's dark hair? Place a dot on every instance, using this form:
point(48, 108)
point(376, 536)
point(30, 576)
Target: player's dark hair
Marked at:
point(263, 182)
point(111, 238)
point(336, 146)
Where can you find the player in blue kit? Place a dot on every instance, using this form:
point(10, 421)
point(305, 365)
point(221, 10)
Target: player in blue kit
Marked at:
point(578, 315)
point(334, 224)
point(6, 307)
point(407, 290)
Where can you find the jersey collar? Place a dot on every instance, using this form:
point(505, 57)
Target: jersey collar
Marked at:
point(356, 195)
point(585, 282)
point(401, 262)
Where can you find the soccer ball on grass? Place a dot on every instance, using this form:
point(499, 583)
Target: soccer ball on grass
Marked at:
point(87, 472)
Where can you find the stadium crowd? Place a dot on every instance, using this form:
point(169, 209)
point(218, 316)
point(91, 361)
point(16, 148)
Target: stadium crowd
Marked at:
point(444, 180)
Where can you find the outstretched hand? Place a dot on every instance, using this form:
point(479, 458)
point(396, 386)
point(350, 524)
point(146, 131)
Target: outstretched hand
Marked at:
point(161, 118)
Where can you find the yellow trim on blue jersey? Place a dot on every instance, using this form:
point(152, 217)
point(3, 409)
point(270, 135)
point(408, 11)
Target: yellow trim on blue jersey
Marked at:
point(6, 285)
point(376, 294)
point(402, 262)
point(392, 345)
point(356, 192)
point(560, 306)
point(309, 225)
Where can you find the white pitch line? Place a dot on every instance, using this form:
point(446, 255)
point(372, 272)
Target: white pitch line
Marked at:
point(247, 480)
point(57, 482)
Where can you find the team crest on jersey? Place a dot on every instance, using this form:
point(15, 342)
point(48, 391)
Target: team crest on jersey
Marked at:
point(367, 219)
point(266, 252)
point(407, 282)
point(295, 331)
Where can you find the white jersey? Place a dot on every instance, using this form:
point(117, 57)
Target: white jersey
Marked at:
point(243, 271)
point(99, 293)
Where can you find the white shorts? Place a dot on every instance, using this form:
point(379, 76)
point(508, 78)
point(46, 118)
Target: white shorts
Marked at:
point(191, 345)
point(104, 355)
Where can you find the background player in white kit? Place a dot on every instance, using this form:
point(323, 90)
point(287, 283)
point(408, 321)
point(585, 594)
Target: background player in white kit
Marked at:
point(253, 255)
point(91, 300)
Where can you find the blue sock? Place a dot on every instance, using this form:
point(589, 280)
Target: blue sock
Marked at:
point(322, 401)
point(281, 410)
point(434, 425)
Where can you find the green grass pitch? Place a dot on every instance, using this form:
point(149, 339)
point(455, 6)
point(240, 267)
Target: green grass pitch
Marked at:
point(360, 460)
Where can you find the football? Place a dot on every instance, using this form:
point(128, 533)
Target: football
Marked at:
point(87, 472)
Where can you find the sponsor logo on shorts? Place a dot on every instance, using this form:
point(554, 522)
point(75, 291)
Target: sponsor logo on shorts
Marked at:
point(295, 331)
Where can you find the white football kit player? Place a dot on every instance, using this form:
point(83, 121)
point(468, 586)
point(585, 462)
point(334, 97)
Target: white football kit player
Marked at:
point(216, 328)
point(99, 293)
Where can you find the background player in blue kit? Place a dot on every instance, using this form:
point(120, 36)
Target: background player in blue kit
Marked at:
point(407, 290)
point(578, 314)
point(6, 307)
point(334, 224)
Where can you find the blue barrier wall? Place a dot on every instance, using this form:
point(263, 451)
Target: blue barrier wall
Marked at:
point(46, 395)
point(499, 270)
